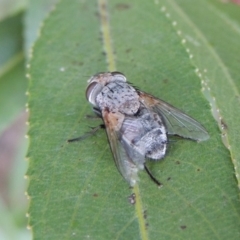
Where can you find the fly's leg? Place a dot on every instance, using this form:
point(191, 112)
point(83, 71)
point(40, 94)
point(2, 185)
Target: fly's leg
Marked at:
point(152, 177)
point(94, 129)
point(88, 134)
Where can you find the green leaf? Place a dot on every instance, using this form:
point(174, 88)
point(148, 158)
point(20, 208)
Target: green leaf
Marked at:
point(13, 83)
point(10, 39)
point(11, 7)
point(37, 12)
point(219, 71)
point(13, 86)
point(75, 190)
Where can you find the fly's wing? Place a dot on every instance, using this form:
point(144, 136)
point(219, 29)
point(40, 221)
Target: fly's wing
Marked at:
point(113, 123)
point(177, 122)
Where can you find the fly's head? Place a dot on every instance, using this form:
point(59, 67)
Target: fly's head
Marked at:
point(98, 81)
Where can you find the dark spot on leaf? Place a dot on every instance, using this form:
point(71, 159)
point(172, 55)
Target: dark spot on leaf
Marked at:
point(165, 81)
point(96, 14)
point(103, 6)
point(104, 53)
point(177, 162)
point(128, 50)
point(132, 199)
point(223, 125)
point(145, 214)
point(78, 63)
point(225, 199)
point(122, 6)
point(183, 227)
point(146, 225)
point(169, 178)
point(95, 195)
point(198, 169)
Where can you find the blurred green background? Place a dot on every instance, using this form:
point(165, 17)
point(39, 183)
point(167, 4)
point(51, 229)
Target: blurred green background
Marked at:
point(20, 21)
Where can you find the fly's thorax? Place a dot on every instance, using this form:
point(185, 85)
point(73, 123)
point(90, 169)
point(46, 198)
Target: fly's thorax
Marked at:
point(118, 96)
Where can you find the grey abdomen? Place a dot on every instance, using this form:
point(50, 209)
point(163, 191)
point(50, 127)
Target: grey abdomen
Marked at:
point(144, 135)
point(154, 144)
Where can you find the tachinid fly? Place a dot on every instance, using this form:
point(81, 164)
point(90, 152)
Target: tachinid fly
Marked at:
point(137, 123)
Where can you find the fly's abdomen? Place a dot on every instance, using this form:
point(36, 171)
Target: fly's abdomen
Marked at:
point(154, 144)
point(145, 135)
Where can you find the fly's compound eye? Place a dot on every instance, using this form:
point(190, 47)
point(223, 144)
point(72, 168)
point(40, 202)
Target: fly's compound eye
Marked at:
point(92, 91)
point(89, 89)
point(118, 76)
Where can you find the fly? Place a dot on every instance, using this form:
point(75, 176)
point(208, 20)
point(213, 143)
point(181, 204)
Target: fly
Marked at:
point(137, 123)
